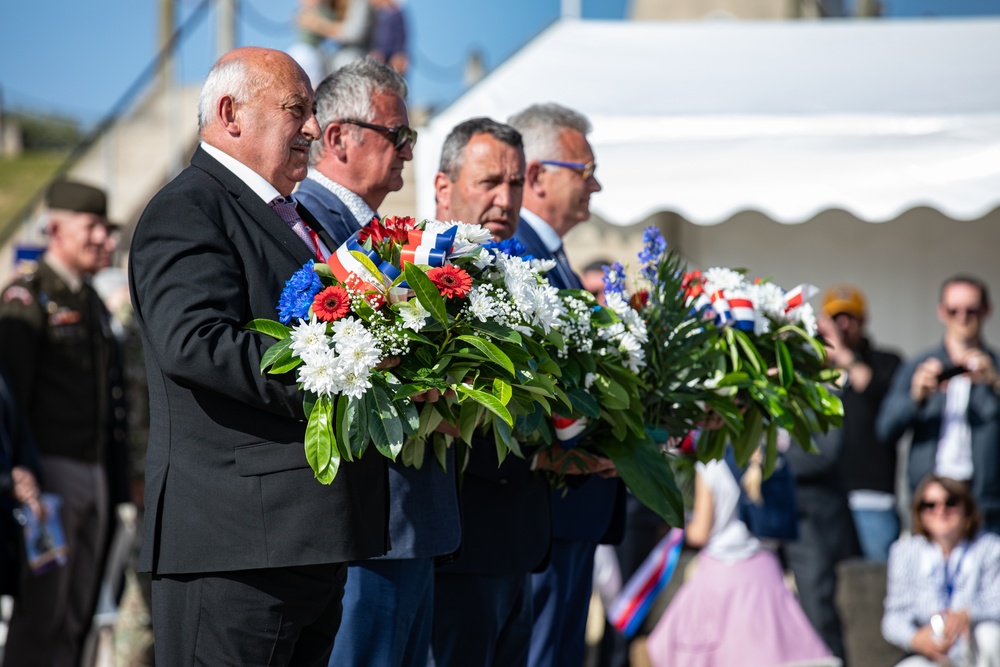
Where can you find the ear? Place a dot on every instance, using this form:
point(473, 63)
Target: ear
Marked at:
point(942, 314)
point(334, 140)
point(533, 178)
point(225, 110)
point(442, 191)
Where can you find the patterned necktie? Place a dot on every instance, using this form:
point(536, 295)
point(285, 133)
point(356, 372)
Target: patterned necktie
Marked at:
point(285, 208)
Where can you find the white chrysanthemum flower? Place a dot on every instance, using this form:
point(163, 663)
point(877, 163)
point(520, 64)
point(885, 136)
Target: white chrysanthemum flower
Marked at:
point(309, 336)
point(719, 278)
point(359, 354)
point(353, 382)
point(767, 298)
point(546, 306)
point(347, 328)
point(631, 349)
point(543, 265)
point(471, 234)
point(319, 372)
point(481, 306)
point(588, 380)
point(437, 226)
point(413, 315)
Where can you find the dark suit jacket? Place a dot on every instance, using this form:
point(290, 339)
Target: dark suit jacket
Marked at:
point(227, 482)
point(593, 511)
point(900, 412)
point(506, 525)
point(332, 214)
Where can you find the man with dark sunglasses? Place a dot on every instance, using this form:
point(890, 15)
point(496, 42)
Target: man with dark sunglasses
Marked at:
point(365, 142)
point(950, 398)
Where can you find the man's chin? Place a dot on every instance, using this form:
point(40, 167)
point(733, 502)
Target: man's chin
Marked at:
point(500, 230)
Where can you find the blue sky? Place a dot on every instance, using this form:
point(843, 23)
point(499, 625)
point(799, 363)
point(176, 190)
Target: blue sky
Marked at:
point(78, 58)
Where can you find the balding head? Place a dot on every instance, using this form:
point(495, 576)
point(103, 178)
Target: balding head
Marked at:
point(257, 106)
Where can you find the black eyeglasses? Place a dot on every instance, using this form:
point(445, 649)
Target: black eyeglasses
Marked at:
point(399, 136)
point(969, 312)
point(586, 170)
point(927, 505)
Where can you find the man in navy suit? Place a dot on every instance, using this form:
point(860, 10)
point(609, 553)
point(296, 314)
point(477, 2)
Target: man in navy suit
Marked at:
point(482, 600)
point(388, 602)
point(248, 551)
point(364, 141)
point(559, 180)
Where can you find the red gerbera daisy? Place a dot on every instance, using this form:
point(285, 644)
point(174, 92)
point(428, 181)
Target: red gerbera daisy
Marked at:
point(451, 281)
point(331, 304)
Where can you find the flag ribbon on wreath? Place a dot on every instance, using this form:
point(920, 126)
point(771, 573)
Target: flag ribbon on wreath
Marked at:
point(631, 606)
point(797, 296)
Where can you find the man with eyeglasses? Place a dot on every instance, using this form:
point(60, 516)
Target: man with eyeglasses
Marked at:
point(559, 180)
point(948, 396)
point(365, 141)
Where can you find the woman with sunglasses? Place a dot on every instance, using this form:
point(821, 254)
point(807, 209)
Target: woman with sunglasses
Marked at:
point(943, 598)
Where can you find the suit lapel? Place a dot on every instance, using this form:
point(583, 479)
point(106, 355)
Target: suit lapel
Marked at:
point(255, 208)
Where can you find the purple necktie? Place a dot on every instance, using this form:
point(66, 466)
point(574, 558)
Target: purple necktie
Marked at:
point(285, 208)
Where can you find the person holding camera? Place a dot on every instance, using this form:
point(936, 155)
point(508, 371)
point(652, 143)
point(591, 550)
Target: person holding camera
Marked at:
point(949, 397)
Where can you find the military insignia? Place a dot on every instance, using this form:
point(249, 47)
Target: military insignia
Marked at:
point(65, 316)
point(18, 293)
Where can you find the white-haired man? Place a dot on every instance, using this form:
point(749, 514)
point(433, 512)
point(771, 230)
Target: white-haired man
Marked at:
point(248, 551)
point(559, 180)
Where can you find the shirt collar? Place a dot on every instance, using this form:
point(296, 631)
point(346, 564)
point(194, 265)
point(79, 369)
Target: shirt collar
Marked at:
point(72, 280)
point(550, 239)
point(251, 178)
point(361, 211)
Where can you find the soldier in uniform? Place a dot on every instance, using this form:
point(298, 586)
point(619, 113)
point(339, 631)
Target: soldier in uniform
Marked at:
point(56, 345)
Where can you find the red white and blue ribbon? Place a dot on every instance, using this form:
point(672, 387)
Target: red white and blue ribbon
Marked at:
point(797, 296)
point(736, 311)
point(568, 430)
point(427, 248)
point(349, 270)
point(632, 604)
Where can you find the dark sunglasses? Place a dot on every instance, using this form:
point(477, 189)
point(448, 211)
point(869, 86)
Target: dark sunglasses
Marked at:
point(970, 312)
point(399, 136)
point(926, 505)
point(586, 170)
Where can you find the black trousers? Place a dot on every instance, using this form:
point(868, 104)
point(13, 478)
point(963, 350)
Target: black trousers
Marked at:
point(248, 618)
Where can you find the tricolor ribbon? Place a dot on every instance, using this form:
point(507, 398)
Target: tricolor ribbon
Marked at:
point(427, 248)
point(568, 430)
point(736, 311)
point(631, 606)
point(349, 270)
point(797, 296)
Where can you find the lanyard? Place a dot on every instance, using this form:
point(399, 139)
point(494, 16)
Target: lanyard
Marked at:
point(951, 577)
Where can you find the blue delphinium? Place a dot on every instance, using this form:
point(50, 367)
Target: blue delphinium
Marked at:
point(614, 278)
point(510, 247)
point(298, 295)
point(653, 247)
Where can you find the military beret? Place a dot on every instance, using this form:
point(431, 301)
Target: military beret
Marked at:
point(73, 196)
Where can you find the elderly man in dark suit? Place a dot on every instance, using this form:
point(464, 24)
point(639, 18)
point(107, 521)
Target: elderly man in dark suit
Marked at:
point(388, 602)
point(559, 180)
point(364, 142)
point(482, 600)
point(246, 548)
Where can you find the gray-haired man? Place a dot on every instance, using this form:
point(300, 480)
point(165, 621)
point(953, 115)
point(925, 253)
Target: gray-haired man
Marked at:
point(365, 141)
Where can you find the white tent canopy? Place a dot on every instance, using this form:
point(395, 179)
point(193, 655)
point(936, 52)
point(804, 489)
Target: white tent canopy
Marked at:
point(789, 119)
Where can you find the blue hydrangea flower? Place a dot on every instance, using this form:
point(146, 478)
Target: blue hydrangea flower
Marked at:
point(653, 247)
point(511, 247)
point(614, 278)
point(298, 295)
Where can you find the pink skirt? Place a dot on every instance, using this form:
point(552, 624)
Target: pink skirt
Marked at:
point(738, 614)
